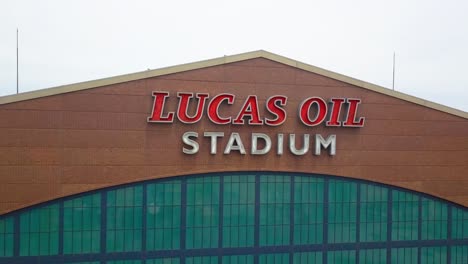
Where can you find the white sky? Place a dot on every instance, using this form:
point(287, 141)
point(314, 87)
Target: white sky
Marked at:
point(63, 42)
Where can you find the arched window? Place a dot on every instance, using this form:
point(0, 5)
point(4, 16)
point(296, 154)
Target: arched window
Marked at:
point(248, 217)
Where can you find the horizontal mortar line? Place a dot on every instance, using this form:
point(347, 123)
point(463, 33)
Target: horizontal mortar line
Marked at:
point(216, 164)
point(230, 129)
point(159, 149)
point(178, 165)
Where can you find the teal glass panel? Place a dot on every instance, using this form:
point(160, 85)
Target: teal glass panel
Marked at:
point(6, 237)
point(163, 261)
point(308, 258)
point(86, 262)
point(373, 213)
point(82, 224)
point(238, 211)
point(459, 254)
point(238, 259)
point(341, 257)
point(125, 262)
point(275, 204)
point(434, 219)
point(202, 260)
point(163, 215)
point(39, 230)
point(342, 211)
point(459, 223)
point(434, 255)
point(273, 259)
point(308, 210)
point(202, 218)
point(405, 212)
point(404, 255)
point(124, 219)
point(373, 256)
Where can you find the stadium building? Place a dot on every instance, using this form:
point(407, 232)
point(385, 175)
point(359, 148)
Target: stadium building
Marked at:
point(253, 158)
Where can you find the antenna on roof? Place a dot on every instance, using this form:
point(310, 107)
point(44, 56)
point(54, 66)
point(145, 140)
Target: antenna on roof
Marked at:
point(393, 80)
point(17, 73)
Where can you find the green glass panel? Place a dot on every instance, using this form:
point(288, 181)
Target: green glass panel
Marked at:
point(202, 260)
point(39, 231)
point(163, 261)
point(342, 257)
point(373, 213)
point(6, 237)
point(238, 210)
point(404, 255)
point(308, 210)
point(459, 254)
point(275, 210)
point(459, 223)
point(124, 219)
point(238, 259)
point(405, 208)
point(373, 256)
point(434, 220)
point(94, 262)
point(273, 259)
point(202, 214)
point(125, 262)
point(79, 217)
point(434, 255)
point(342, 211)
point(308, 258)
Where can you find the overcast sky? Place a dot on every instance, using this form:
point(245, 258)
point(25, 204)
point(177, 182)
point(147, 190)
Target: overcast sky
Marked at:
point(63, 42)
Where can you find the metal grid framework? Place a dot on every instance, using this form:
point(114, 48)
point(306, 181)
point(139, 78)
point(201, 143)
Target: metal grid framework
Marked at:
point(348, 244)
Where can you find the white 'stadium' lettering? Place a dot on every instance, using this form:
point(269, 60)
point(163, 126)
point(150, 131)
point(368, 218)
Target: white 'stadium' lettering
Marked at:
point(236, 143)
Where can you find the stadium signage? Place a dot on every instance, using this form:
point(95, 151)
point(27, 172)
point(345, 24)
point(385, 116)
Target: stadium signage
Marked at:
point(313, 111)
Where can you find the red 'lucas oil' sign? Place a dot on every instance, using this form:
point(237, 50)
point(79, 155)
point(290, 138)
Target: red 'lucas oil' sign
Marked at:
point(312, 111)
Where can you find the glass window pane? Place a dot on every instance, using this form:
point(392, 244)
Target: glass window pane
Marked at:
point(404, 255)
point(163, 213)
point(342, 211)
point(6, 237)
point(39, 231)
point(373, 213)
point(238, 210)
point(275, 202)
point(124, 219)
point(405, 212)
point(308, 210)
point(202, 218)
point(434, 255)
point(342, 257)
point(79, 214)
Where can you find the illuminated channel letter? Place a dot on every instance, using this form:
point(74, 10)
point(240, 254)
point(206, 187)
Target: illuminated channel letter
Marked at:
point(186, 139)
point(352, 112)
point(292, 145)
point(280, 144)
point(184, 99)
point(214, 140)
point(335, 112)
point(250, 108)
point(304, 111)
point(273, 106)
point(158, 108)
point(266, 148)
point(234, 143)
point(329, 142)
point(213, 108)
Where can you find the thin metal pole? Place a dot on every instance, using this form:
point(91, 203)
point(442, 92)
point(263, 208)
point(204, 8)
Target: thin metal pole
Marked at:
point(17, 62)
point(393, 80)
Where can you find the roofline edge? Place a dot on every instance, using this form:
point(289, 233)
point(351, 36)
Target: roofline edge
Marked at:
point(220, 61)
